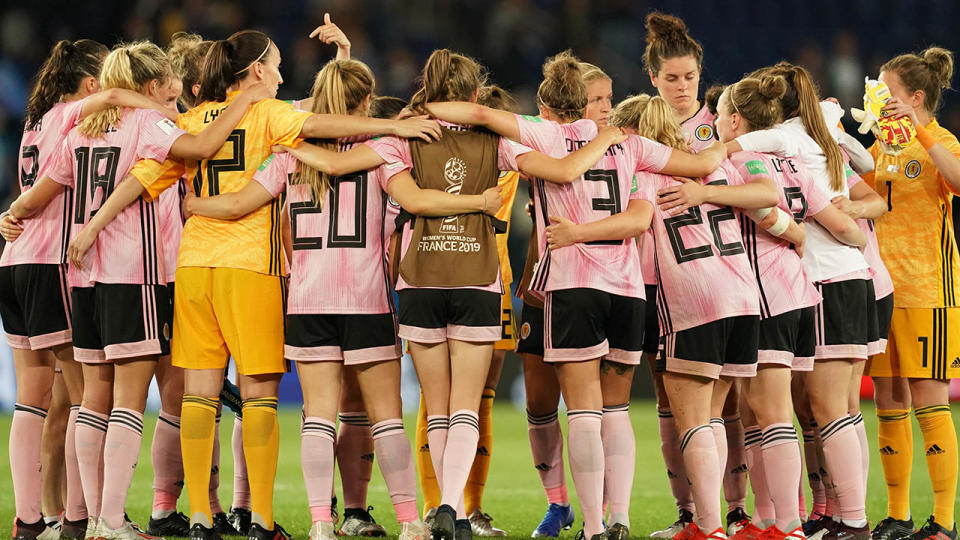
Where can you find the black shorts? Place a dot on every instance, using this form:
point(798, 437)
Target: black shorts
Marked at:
point(531, 331)
point(351, 339)
point(435, 315)
point(117, 321)
point(883, 309)
point(651, 331)
point(35, 305)
point(725, 347)
point(583, 324)
point(789, 339)
point(843, 319)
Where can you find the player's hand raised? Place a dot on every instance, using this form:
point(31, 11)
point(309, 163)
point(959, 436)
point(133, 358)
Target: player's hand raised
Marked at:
point(10, 227)
point(677, 199)
point(561, 233)
point(330, 33)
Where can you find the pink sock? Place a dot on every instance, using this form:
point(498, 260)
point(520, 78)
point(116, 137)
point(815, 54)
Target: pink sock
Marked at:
point(546, 445)
point(316, 459)
point(619, 455)
point(735, 473)
point(841, 449)
point(396, 465)
point(861, 429)
point(121, 448)
point(167, 463)
point(814, 477)
point(75, 508)
point(213, 493)
point(586, 465)
point(699, 448)
point(438, 426)
point(458, 454)
point(781, 465)
point(26, 433)
point(763, 510)
point(673, 459)
point(241, 488)
point(720, 437)
point(801, 497)
point(90, 435)
point(355, 457)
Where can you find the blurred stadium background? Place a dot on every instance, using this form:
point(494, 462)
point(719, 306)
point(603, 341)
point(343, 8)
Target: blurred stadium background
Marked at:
point(838, 41)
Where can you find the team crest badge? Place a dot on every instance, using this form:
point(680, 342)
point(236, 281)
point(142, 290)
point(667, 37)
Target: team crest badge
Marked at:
point(525, 330)
point(912, 169)
point(704, 132)
point(392, 202)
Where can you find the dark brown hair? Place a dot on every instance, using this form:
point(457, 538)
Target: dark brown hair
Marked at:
point(929, 71)
point(667, 38)
point(61, 73)
point(495, 97)
point(447, 76)
point(387, 107)
point(563, 89)
point(756, 100)
point(228, 62)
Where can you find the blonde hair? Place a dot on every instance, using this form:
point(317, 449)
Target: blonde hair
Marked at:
point(339, 88)
point(186, 52)
point(592, 73)
point(447, 76)
point(128, 66)
point(563, 89)
point(929, 71)
point(652, 117)
point(756, 100)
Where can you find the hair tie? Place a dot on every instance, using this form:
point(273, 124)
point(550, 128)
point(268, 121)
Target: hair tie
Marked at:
point(267, 48)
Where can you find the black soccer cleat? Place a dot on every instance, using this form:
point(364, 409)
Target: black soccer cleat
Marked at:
point(842, 531)
point(240, 520)
point(581, 536)
point(462, 530)
point(932, 530)
point(176, 524)
point(813, 526)
point(618, 531)
point(222, 524)
point(33, 531)
point(444, 523)
point(73, 530)
point(892, 529)
point(259, 533)
point(199, 532)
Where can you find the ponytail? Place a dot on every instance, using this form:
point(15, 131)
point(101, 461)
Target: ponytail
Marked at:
point(61, 73)
point(339, 88)
point(756, 100)
point(447, 76)
point(228, 62)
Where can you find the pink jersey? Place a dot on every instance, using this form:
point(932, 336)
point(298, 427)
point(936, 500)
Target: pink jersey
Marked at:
point(339, 262)
point(699, 129)
point(783, 283)
point(170, 216)
point(46, 235)
point(128, 249)
point(703, 270)
point(882, 282)
point(606, 189)
point(396, 153)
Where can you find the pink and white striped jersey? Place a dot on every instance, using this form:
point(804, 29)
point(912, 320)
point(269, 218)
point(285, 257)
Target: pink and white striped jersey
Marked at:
point(882, 282)
point(782, 281)
point(609, 265)
point(339, 262)
point(703, 271)
point(128, 249)
point(170, 215)
point(46, 235)
point(397, 157)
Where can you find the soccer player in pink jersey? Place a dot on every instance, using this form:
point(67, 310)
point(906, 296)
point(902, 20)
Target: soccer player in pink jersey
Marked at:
point(787, 302)
point(34, 296)
point(842, 275)
point(119, 353)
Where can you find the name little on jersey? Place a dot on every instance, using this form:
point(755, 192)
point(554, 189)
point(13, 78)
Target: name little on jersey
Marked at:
point(449, 243)
point(573, 145)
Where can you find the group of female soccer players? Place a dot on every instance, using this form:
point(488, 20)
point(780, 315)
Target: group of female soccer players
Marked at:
point(757, 256)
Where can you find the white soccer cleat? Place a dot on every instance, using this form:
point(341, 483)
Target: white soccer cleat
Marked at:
point(414, 530)
point(125, 532)
point(322, 530)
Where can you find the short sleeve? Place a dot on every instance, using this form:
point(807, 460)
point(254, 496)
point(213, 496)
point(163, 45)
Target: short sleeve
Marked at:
point(651, 155)
point(772, 141)
point(61, 168)
point(72, 112)
point(643, 185)
point(394, 152)
point(157, 135)
point(731, 173)
point(155, 177)
point(284, 122)
point(852, 177)
point(751, 167)
point(508, 152)
point(542, 135)
point(274, 173)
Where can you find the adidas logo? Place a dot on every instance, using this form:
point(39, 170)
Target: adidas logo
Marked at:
point(740, 469)
point(367, 457)
point(887, 451)
point(934, 450)
point(214, 470)
point(670, 474)
point(956, 363)
point(482, 451)
point(543, 467)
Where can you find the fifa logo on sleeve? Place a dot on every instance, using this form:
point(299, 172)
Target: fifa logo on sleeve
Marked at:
point(454, 172)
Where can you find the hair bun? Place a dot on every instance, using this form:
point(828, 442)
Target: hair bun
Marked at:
point(940, 62)
point(772, 86)
point(712, 97)
point(662, 26)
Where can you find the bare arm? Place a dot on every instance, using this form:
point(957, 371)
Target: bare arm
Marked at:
point(287, 234)
point(36, 198)
point(760, 192)
point(435, 203)
point(206, 143)
point(333, 126)
point(864, 203)
point(841, 226)
point(120, 97)
point(695, 165)
point(228, 206)
point(503, 123)
point(358, 158)
point(126, 193)
point(632, 222)
point(572, 166)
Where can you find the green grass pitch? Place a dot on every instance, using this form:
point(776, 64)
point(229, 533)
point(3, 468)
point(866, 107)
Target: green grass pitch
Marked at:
point(513, 494)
